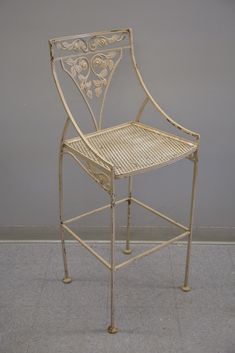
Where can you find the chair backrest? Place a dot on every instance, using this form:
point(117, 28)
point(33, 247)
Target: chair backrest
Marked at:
point(90, 61)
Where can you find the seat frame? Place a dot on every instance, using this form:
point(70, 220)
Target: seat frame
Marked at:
point(103, 172)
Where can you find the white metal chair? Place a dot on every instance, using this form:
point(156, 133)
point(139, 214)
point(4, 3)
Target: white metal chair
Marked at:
point(118, 152)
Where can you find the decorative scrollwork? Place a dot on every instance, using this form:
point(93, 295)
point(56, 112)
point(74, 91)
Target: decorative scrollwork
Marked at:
point(100, 176)
point(81, 45)
point(100, 64)
point(98, 173)
point(102, 41)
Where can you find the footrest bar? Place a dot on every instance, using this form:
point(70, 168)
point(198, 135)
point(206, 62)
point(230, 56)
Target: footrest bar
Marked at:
point(150, 251)
point(159, 214)
point(83, 243)
point(93, 211)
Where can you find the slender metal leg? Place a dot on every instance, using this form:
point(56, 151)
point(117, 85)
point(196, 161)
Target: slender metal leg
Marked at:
point(66, 278)
point(128, 250)
point(111, 328)
point(185, 287)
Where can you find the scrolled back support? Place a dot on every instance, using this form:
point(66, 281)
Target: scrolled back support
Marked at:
point(90, 60)
point(92, 75)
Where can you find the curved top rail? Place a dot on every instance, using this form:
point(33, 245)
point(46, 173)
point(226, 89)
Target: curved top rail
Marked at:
point(89, 43)
point(91, 34)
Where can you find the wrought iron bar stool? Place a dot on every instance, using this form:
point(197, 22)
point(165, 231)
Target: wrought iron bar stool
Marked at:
point(120, 151)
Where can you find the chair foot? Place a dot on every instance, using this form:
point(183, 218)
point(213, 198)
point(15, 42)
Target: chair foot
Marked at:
point(112, 329)
point(67, 280)
point(127, 251)
point(185, 288)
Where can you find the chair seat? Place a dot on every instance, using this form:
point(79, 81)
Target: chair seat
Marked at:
point(134, 147)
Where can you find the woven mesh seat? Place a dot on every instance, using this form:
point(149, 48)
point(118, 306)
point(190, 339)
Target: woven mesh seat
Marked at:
point(133, 148)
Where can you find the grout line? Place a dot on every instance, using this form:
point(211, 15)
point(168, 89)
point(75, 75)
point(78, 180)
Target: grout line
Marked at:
point(118, 241)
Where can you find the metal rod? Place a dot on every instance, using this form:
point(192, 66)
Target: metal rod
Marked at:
point(83, 35)
point(127, 249)
point(148, 252)
point(106, 89)
point(97, 51)
point(94, 211)
point(111, 327)
point(66, 278)
point(186, 287)
point(143, 105)
point(159, 214)
point(83, 243)
point(112, 255)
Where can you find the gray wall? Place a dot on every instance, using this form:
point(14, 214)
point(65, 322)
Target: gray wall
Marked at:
point(186, 52)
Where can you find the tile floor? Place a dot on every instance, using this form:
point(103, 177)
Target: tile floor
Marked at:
point(39, 314)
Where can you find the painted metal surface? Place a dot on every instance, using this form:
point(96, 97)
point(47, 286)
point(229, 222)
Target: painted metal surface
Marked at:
point(110, 154)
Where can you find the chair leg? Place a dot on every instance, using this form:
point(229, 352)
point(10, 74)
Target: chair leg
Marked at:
point(127, 249)
point(66, 278)
point(111, 328)
point(185, 287)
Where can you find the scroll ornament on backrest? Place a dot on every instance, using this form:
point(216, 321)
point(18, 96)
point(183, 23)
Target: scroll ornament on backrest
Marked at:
point(100, 64)
point(91, 68)
point(91, 44)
